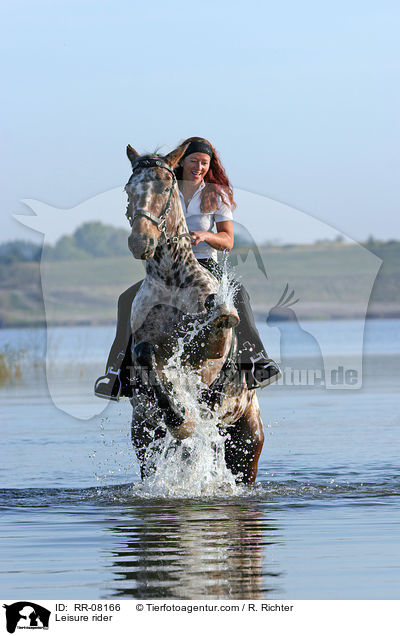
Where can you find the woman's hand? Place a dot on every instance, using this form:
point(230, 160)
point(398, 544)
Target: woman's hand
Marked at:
point(200, 235)
point(221, 240)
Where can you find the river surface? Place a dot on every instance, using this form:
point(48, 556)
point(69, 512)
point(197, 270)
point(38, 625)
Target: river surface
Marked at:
point(322, 521)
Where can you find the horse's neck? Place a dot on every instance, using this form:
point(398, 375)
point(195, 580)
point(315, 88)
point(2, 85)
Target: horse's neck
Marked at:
point(175, 259)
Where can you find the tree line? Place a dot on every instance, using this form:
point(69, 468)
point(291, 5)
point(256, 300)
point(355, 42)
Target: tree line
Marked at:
point(97, 240)
point(90, 240)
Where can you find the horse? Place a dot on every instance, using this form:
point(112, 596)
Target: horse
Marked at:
point(177, 293)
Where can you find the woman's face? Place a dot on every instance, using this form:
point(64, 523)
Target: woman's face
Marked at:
point(195, 167)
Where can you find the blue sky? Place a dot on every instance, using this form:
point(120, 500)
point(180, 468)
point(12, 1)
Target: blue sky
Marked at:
point(300, 98)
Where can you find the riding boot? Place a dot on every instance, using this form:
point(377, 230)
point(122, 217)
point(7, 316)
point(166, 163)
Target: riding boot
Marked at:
point(109, 386)
point(116, 382)
point(260, 370)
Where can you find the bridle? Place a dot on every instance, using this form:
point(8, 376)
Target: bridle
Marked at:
point(161, 221)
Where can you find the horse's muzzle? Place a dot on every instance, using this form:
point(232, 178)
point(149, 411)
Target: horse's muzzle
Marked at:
point(142, 247)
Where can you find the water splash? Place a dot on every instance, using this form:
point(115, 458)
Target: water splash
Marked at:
point(228, 286)
point(195, 466)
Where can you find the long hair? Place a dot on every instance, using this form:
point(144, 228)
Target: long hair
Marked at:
point(217, 184)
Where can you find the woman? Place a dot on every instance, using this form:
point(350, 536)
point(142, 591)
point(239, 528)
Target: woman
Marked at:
point(207, 200)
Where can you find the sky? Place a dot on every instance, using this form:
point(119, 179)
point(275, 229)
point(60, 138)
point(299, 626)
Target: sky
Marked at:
point(301, 99)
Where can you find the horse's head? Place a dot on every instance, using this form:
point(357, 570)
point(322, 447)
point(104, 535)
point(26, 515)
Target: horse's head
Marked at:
point(150, 199)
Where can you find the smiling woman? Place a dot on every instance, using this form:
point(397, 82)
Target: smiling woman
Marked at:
point(206, 197)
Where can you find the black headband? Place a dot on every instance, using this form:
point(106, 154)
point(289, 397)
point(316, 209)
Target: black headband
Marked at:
point(198, 146)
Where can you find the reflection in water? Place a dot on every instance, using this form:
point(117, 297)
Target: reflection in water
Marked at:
point(188, 550)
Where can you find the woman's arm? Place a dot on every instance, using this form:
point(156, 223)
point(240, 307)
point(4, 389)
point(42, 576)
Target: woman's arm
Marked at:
point(222, 239)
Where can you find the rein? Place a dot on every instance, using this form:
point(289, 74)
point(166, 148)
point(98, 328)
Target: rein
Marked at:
point(161, 221)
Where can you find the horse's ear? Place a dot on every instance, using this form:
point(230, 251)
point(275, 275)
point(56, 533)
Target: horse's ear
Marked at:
point(173, 157)
point(132, 154)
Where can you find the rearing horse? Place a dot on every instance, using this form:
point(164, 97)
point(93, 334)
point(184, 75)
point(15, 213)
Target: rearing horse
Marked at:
point(176, 291)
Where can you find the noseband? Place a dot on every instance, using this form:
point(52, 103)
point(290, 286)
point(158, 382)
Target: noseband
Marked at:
point(161, 221)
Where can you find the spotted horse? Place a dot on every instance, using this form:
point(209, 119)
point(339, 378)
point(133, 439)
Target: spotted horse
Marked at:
point(176, 292)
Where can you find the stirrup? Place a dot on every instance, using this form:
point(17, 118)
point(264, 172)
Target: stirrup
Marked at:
point(261, 371)
point(265, 373)
point(109, 386)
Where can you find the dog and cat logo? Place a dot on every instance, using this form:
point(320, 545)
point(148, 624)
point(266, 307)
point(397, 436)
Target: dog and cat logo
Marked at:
point(26, 615)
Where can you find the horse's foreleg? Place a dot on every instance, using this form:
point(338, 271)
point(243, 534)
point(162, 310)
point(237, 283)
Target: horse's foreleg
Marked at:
point(145, 430)
point(244, 444)
point(177, 418)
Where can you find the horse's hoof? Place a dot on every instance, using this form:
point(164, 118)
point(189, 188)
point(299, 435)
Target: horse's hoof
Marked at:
point(183, 431)
point(143, 353)
point(226, 318)
point(174, 419)
point(209, 302)
point(163, 403)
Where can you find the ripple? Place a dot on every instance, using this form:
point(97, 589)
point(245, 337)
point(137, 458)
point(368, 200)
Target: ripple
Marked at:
point(287, 491)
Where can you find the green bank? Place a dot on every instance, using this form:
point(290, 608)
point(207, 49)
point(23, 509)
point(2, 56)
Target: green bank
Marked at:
point(328, 281)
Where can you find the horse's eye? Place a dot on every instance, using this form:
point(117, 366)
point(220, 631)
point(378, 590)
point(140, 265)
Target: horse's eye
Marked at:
point(159, 188)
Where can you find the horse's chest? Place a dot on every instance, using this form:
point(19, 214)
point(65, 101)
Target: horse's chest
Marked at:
point(160, 325)
point(157, 309)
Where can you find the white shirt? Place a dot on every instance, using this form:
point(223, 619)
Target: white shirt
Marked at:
point(198, 220)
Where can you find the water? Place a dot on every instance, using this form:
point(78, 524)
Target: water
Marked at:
point(320, 523)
